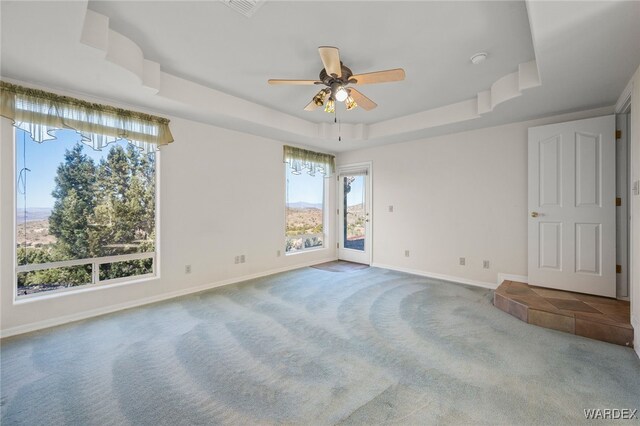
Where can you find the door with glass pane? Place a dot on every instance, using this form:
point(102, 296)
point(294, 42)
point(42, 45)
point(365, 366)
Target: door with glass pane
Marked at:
point(354, 216)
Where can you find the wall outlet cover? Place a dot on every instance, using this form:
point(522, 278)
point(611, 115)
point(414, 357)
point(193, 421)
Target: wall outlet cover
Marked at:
point(463, 261)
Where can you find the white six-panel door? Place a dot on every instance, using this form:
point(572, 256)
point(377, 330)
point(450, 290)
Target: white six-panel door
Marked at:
point(572, 222)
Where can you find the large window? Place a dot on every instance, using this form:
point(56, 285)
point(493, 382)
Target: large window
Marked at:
point(85, 190)
point(306, 172)
point(83, 216)
point(304, 210)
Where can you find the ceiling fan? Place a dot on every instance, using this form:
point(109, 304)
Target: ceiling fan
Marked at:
point(337, 77)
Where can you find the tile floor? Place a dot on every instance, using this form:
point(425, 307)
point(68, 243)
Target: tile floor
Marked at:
point(596, 317)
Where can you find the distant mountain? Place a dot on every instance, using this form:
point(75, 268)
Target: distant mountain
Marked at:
point(304, 205)
point(33, 213)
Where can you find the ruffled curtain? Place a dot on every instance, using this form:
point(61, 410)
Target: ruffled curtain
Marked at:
point(310, 161)
point(41, 113)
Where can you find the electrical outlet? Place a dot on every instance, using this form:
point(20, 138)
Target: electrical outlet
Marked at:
point(485, 264)
point(390, 209)
point(278, 253)
point(406, 253)
point(237, 260)
point(187, 269)
point(242, 259)
point(463, 261)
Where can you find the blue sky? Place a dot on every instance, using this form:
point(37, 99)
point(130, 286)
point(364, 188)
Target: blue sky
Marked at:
point(304, 188)
point(355, 195)
point(43, 160)
point(309, 189)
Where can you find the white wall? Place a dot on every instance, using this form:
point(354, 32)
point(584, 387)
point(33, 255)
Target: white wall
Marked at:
point(459, 195)
point(222, 194)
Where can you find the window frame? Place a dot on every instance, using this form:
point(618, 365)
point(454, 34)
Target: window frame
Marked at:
point(325, 216)
point(97, 284)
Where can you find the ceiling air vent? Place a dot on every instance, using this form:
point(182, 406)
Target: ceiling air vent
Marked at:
point(244, 7)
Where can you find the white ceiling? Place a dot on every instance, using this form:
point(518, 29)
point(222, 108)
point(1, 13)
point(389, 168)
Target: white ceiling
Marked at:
point(585, 52)
point(211, 44)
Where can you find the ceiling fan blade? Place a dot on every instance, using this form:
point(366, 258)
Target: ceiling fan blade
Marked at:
point(331, 60)
point(294, 82)
point(396, 74)
point(362, 101)
point(311, 106)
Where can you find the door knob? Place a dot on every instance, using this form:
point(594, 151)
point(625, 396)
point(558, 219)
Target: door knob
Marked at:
point(534, 214)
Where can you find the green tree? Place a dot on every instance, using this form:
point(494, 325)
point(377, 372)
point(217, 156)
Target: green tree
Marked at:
point(75, 200)
point(124, 217)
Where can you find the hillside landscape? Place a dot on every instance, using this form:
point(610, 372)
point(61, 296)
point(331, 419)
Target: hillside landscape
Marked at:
point(34, 233)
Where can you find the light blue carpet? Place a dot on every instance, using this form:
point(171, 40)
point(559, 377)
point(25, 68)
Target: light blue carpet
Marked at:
point(314, 347)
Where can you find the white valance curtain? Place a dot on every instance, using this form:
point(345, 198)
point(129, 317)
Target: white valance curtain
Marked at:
point(310, 161)
point(41, 113)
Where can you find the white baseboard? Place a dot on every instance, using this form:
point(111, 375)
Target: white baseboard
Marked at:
point(510, 277)
point(26, 328)
point(450, 278)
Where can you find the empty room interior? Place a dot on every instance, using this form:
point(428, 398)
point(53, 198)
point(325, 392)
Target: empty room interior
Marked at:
point(319, 212)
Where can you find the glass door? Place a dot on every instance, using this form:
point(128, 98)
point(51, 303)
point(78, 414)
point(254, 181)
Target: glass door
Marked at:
point(354, 223)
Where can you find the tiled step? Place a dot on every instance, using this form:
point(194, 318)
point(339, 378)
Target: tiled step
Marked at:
point(596, 317)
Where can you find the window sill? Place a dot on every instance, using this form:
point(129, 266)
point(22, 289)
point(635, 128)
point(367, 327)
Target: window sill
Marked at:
point(54, 294)
point(309, 250)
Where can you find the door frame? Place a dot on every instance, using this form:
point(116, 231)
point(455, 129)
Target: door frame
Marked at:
point(345, 168)
point(625, 105)
point(623, 212)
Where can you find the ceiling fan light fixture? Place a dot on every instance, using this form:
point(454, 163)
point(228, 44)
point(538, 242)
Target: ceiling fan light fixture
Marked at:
point(341, 94)
point(319, 98)
point(350, 103)
point(330, 107)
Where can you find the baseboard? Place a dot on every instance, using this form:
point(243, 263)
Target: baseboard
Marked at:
point(458, 280)
point(510, 277)
point(148, 300)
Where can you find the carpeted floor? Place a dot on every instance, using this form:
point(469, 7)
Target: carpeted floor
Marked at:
point(314, 347)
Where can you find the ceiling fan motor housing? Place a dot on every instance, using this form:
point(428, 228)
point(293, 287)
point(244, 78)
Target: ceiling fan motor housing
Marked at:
point(328, 80)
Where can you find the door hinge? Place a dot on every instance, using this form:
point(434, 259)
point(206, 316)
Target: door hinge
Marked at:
point(337, 245)
point(618, 269)
point(618, 201)
point(618, 134)
point(337, 211)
